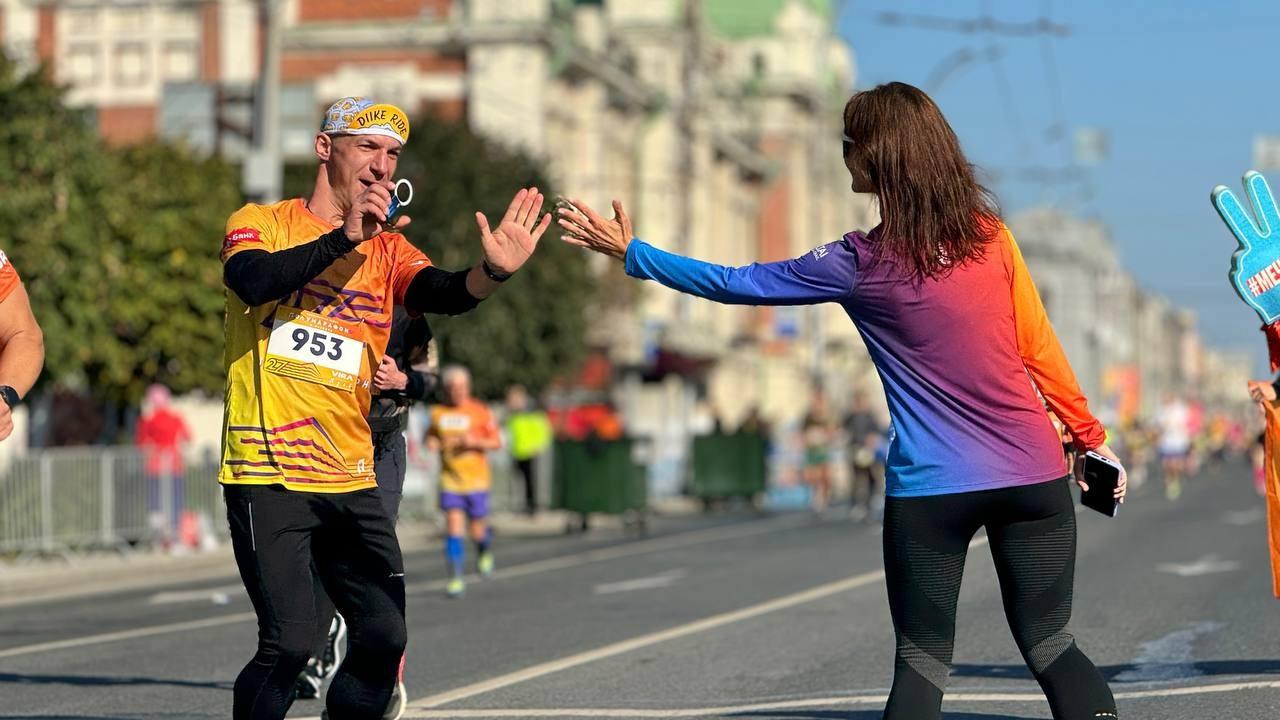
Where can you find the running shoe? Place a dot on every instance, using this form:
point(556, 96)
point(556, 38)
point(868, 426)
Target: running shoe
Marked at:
point(309, 681)
point(395, 708)
point(455, 588)
point(484, 564)
point(335, 648)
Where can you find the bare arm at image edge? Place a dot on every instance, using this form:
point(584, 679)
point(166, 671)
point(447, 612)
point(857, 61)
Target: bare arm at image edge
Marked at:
point(21, 342)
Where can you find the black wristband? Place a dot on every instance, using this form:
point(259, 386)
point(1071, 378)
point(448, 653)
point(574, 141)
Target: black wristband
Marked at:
point(494, 275)
point(10, 396)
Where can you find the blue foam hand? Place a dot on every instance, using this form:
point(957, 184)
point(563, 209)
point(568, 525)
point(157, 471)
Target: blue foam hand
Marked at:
point(1255, 265)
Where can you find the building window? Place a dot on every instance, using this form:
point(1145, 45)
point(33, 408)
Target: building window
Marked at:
point(180, 21)
point(131, 64)
point(179, 61)
point(759, 65)
point(82, 65)
point(82, 21)
point(132, 19)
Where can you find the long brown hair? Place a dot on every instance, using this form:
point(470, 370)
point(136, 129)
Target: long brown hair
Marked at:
point(933, 213)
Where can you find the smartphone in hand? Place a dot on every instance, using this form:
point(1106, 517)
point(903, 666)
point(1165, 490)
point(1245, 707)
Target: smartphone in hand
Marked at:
point(1102, 475)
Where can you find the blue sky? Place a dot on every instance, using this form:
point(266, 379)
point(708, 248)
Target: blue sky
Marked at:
point(1180, 88)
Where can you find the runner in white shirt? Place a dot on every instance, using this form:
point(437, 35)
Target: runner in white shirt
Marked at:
point(1175, 443)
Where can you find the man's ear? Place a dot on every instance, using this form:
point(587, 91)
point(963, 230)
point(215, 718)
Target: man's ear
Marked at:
point(324, 147)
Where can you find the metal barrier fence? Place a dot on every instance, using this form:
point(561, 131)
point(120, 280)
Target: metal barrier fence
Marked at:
point(64, 500)
point(69, 499)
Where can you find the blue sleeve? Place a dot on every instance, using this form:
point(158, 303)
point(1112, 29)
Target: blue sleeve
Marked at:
point(824, 274)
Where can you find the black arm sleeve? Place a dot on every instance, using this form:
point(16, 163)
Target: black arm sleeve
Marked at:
point(259, 277)
point(420, 385)
point(439, 292)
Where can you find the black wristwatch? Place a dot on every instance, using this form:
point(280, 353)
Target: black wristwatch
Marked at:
point(10, 396)
point(494, 275)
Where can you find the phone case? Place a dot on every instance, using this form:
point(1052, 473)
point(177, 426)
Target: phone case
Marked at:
point(1102, 487)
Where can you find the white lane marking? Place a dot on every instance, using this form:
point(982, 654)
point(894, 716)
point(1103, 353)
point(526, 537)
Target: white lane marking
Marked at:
point(641, 547)
point(1171, 657)
point(692, 538)
point(219, 595)
point(645, 583)
point(127, 634)
point(625, 646)
point(837, 701)
point(1207, 565)
point(1244, 517)
point(1198, 689)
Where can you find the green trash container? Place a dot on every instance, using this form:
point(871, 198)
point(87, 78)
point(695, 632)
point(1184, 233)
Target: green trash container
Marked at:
point(728, 465)
point(599, 476)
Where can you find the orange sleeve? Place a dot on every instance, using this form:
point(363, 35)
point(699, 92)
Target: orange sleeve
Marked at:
point(406, 261)
point(248, 228)
point(1271, 466)
point(433, 422)
point(9, 280)
point(490, 426)
point(1044, 358)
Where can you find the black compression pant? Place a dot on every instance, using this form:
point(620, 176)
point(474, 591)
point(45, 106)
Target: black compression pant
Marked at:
point(390, 462)
point(275, 534)
point(1032, 532)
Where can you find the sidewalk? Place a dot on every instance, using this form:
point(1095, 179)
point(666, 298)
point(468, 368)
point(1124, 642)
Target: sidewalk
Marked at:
point(100, 573)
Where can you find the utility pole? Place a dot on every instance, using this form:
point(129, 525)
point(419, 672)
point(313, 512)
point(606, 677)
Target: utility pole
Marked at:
point(263, 170)
point(685, 122)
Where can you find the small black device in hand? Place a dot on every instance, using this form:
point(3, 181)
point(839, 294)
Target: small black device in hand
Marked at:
point(1102, 475)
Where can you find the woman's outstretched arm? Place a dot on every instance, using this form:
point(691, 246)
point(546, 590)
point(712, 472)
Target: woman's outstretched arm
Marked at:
point(824, 274)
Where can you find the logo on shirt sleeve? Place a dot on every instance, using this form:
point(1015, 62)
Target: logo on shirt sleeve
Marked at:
point(4, 259)
point(241, 236)
point(820, 251)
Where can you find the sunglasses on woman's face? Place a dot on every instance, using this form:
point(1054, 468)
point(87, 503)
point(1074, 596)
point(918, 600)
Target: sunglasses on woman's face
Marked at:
point(846, 144)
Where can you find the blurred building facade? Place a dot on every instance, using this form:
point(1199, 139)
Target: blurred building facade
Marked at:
point(717, 121)
point(1129, 348)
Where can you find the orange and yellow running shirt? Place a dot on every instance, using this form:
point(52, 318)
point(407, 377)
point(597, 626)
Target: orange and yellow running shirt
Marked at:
point(299, 369)
point(9, 280)
point(463, 471)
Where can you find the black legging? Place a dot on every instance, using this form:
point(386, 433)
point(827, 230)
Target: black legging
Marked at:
point(275, 534)
point(389, 466)
point(1032, 531)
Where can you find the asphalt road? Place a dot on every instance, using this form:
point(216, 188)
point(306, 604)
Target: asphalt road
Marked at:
point(735, 615)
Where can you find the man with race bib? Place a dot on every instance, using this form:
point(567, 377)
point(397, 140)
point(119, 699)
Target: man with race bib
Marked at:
point(313, 282)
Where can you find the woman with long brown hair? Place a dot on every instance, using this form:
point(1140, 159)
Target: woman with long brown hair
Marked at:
point(957, 331)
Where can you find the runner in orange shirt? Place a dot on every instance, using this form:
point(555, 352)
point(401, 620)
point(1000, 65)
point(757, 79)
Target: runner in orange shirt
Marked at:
point(463, 430)
point(21, 344)
point(313, 282)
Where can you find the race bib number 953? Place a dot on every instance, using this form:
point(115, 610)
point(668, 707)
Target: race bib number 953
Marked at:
point(307, 346)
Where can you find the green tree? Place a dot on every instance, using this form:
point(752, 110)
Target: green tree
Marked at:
point(533, 330)
point(164, 214)
point(118, 248)
point(50, 165)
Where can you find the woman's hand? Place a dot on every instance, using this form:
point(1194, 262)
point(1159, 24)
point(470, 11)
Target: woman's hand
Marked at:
point(585, 228)
point(1121, 488)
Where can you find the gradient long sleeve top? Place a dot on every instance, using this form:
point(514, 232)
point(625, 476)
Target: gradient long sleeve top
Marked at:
point(961, 355)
